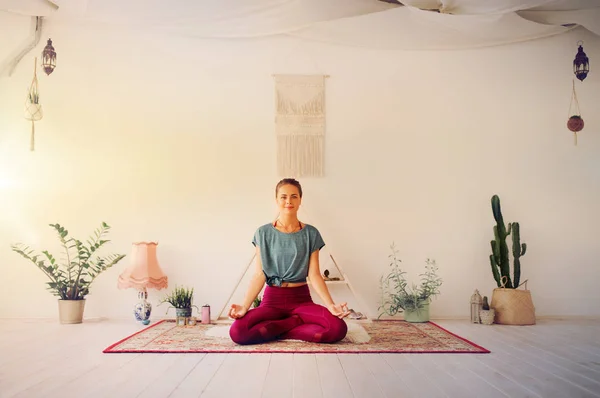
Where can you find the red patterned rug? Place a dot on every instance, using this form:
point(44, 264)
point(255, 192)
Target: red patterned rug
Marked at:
point(380, 337)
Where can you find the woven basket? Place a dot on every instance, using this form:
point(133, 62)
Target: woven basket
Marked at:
point(487, 316)
point(513, 306)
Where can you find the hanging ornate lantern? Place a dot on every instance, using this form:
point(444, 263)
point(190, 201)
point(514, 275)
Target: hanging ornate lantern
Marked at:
point(476, 304)
point(581, 63)
point(49, 58)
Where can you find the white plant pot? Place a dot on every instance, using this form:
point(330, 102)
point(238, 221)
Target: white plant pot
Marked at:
point(33, 112)
point(417, 316)
point(71, 311)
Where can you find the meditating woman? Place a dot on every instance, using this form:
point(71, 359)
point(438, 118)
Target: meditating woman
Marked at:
point(287, 252)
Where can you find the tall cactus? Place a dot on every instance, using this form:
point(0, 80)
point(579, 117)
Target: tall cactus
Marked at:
point(499, 258)
point(518, 250)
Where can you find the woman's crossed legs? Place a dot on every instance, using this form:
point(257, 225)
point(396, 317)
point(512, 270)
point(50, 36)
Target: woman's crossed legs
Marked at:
point(306, 321)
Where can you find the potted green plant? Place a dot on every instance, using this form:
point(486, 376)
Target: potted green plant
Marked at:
point(71, 276)
point(486, 314)
point(33, 108)
point(181, 299)
point(513, 306)
point(575, 124)
point(414, 301)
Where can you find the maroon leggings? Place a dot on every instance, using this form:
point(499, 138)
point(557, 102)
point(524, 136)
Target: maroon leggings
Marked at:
point(288, 313)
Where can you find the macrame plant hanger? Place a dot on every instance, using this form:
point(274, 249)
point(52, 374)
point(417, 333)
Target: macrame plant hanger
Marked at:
point(33, 108)
point(575, 121)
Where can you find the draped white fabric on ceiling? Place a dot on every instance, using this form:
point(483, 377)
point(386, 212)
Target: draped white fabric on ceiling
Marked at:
point(470, 7)
point(410, 28)
point(590, 18)
point(417, 24)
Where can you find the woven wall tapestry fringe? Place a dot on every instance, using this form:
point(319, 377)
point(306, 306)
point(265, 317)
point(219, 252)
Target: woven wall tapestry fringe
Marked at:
point(300, 125)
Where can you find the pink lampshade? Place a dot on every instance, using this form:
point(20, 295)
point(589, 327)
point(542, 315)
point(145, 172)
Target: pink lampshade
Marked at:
point(144, 270)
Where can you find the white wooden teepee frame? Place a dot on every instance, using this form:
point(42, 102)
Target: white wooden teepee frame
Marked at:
point(343, 281)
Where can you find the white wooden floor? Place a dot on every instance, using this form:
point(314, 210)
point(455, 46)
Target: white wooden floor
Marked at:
point(555, 358)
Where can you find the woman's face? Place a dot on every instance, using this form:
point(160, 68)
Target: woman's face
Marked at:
point(288, 199)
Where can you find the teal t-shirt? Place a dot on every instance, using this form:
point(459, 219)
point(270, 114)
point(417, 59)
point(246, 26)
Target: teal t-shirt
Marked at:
point(285, 256)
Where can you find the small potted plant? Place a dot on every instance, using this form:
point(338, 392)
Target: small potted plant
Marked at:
point(575, 124)
point(181, 299)
point(414, 301)
point(33, 108)
point(486, 314)
point(72, 274)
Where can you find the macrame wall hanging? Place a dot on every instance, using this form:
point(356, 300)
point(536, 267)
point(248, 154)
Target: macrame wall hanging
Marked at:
point(300, 125)
point(33, 108)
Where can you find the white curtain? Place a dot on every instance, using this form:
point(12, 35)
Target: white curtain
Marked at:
point(453, 24)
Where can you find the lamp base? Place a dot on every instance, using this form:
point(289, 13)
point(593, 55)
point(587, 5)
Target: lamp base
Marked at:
point(143, 308)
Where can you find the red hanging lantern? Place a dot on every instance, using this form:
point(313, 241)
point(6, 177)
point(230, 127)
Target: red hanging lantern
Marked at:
point(49, 58)
point(581, 63)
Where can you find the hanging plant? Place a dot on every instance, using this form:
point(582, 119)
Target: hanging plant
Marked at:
point(33, 108)
point(575, 122)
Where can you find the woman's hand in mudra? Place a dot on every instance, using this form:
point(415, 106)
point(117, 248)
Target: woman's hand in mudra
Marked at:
point(339, 310)
point(237, 311)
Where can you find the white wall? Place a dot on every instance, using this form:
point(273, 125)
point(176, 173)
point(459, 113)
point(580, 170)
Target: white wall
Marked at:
point(171, 139)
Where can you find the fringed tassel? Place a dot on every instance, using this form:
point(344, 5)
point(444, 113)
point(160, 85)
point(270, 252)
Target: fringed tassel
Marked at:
point(32, 139)
point(300, 155)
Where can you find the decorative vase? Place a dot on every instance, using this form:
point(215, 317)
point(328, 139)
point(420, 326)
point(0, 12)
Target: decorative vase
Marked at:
point(417, 316)
point(487, 316)
point(71, 311)
point(206, 314)
point(143, 308)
